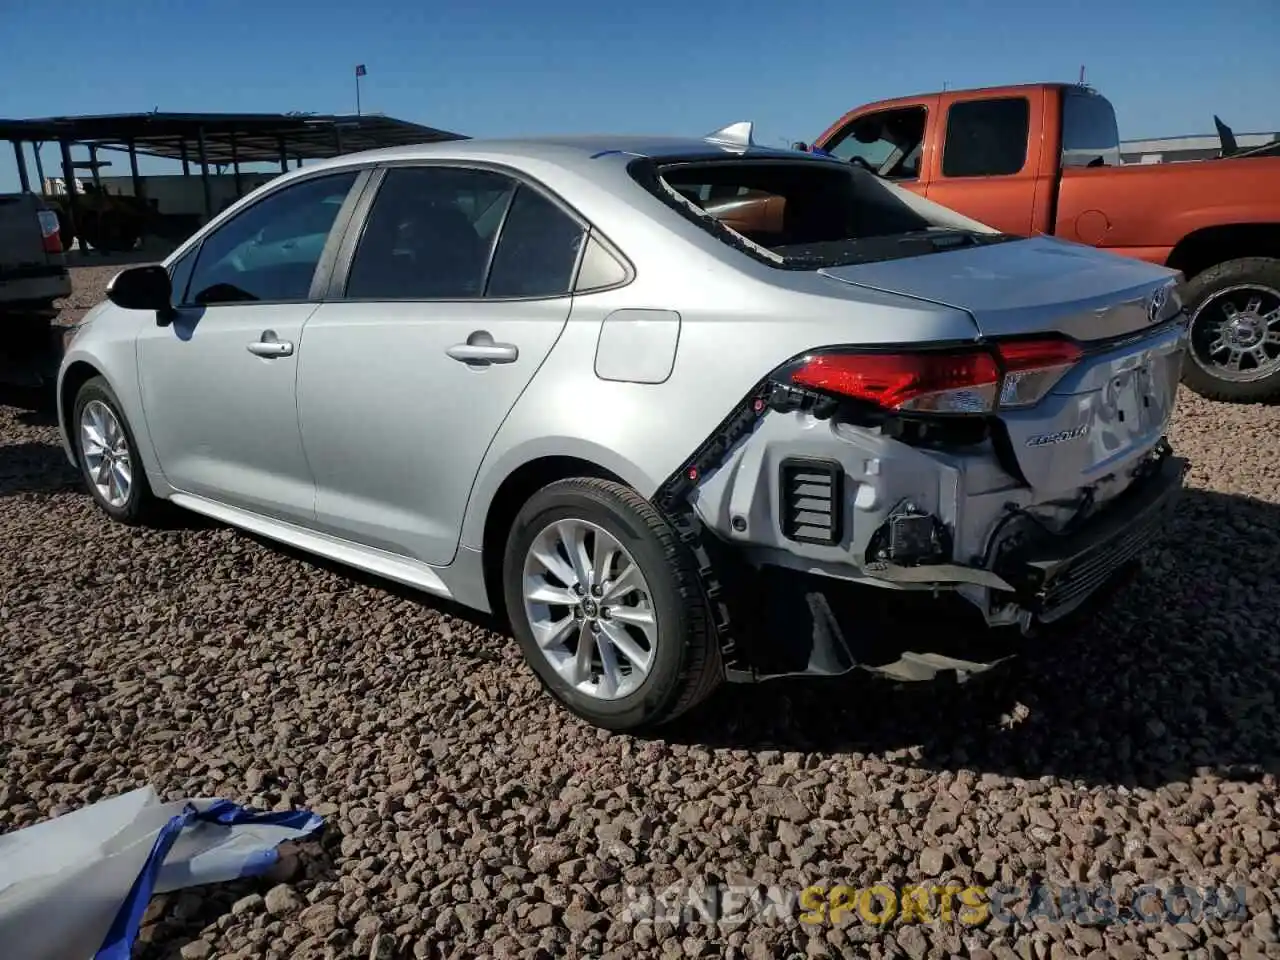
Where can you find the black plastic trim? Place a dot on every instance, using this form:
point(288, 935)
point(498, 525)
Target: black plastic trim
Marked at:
point(716, 567)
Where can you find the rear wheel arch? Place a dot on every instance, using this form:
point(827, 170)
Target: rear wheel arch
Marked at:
point(512, 494)
point(1210, 246)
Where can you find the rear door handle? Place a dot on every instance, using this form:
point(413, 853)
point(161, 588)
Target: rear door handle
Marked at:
point(480, 350)
point(270, 346)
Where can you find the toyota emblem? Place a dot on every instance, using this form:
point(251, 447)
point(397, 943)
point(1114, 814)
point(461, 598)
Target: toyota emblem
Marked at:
point(1155, 305)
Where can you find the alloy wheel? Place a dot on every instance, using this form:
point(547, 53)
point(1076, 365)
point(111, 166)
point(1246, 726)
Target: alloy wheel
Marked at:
point(590, 609)
point(105, 450)
point(1235, 333)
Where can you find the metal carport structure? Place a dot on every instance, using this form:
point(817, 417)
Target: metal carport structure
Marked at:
point(206, 139)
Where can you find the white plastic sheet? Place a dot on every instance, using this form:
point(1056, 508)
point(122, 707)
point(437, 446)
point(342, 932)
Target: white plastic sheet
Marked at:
point(76, 887)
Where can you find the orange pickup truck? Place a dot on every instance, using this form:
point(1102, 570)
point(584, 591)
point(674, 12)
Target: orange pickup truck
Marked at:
point(1045, 158)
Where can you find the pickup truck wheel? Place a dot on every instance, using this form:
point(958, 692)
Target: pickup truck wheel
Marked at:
point(1235, 331)
point(605, 602)
point(108, 455)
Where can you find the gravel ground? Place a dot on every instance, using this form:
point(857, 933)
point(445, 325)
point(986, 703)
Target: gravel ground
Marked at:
point(468, 816)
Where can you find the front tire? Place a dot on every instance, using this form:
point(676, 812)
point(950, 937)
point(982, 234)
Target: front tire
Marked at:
point(1235, 331)
point(108, 455)
point(605, 603)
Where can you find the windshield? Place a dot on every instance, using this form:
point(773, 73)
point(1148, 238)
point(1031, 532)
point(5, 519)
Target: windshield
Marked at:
point(808, 214)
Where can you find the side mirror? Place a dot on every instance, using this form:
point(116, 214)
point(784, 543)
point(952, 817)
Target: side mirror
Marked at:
point(142, 288)
point(801, 146)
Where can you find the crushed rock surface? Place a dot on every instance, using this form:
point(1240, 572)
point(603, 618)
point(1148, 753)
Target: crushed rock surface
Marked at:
point(468, 816)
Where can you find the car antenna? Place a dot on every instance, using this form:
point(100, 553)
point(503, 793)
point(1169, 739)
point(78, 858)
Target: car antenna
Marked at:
point(734, 135)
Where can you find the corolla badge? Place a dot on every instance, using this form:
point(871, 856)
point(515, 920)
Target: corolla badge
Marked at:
point(1062, 436)
point(1155, 303)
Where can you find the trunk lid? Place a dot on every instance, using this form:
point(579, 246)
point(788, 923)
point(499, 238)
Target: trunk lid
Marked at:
point(21, 240)
point(1113, 406)
point(1040, 285)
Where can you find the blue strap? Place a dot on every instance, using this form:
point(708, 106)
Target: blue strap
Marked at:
point(228, 814)
point(118, 943)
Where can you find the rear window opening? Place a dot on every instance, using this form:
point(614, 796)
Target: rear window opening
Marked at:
point(807, 214)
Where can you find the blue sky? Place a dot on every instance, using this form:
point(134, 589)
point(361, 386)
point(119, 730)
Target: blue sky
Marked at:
point(509, 67)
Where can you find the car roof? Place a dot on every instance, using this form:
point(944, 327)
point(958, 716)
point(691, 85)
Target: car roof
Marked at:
point(583, 151)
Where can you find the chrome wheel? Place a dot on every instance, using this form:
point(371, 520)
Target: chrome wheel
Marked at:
point(1235, 333)
point(106, 453)
point(590, 609)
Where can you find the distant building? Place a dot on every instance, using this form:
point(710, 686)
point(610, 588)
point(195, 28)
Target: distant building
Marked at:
point(1206, 147)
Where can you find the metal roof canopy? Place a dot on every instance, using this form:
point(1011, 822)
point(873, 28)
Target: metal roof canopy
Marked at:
point(228, 137)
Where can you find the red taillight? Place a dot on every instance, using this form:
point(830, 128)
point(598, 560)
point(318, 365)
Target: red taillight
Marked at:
point(927, 382)
point(1014, 374)
point(50, 235)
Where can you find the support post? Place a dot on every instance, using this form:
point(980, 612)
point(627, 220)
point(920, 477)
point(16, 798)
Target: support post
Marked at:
point(93, 165)
point(204, 174)
point(337, 141)
point(186, 163)
point(24, 181)
point(139, 188)
point(284, 156)
point(35, 148)
point(235, 162)
point(69, 181)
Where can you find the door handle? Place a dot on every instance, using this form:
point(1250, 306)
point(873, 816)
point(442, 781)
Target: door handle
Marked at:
point(480, 350)
point(270, 346)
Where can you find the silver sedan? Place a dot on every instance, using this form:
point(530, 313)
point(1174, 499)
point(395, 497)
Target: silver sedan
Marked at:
point(671, 407)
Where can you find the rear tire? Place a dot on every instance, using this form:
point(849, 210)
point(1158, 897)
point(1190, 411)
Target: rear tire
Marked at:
point(108, 453)
point(1219, 303)
point(609, 520)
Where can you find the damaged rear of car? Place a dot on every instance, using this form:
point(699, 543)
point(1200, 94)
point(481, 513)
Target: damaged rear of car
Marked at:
point(1017, 465)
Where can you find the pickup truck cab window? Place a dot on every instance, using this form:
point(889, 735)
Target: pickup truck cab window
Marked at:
point(986, 138)
point(889, 142)
point(1090, 135)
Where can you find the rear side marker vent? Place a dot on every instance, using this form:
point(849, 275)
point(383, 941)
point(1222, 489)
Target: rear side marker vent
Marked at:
point(810, 501)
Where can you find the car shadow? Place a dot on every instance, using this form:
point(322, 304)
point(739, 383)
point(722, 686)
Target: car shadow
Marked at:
point(29, 364)
point(1177, 675)
point(35, 467)
point(449, 608)
point(36, 404)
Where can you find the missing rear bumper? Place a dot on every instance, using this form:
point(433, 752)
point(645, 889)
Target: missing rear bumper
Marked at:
point(1054, 575)
point(795, 623)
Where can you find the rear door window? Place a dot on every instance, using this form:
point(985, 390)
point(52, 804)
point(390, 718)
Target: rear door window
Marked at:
point(986, 138)
point(430, 234)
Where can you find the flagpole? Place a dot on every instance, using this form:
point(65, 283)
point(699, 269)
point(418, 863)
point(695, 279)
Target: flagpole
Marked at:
point(357, 93)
